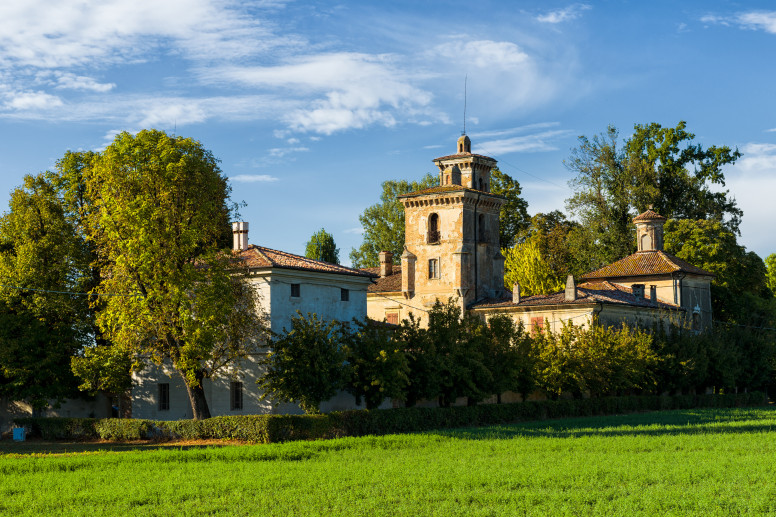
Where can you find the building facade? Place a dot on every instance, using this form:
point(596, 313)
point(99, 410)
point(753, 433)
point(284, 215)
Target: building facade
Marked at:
point(288, 285)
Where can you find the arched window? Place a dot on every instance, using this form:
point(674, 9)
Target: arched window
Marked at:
point(433, 229)
point(480, 183)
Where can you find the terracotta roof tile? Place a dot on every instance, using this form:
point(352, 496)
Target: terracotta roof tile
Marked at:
point(589, 292)
point(261, 257)
point(649, 215)
point(388, 284)
point(463, 155)
point(643, 263)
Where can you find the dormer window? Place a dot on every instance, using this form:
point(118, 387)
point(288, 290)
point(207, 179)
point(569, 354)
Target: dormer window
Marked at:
point(433, 229)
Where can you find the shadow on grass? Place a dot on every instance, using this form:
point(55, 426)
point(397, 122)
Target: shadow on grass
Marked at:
point(677, 422)
point(35, 446)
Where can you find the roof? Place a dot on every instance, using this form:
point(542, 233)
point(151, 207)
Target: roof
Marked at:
point(643, 263)
point(446, 188)
point(387, 284)
point(260, 257)
point(588, 292)
point(649, 215)
point(464, 155)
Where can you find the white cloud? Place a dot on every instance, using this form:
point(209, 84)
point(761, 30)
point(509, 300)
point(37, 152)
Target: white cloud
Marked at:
point(562, 15)
point(32, 101)
point(485, 54)
point(279, 152)
point(538, 142)
point(336, 91)
point(512, 131)
point(253, 178)
point(357, 231)
point(753, 20)
point(46, 34)
point(752, 181)
point(771, 130)
point(79, 82)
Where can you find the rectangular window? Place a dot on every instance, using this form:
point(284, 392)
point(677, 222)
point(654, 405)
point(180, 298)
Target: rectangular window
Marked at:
point(392, 317)
point(344, 295)
point(164, 396)
point(236, 395)
point(536, 325)
point(295, 290)
point(433, 268)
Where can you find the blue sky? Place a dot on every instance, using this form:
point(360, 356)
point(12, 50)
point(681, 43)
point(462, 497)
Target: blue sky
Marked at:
point(311, 105)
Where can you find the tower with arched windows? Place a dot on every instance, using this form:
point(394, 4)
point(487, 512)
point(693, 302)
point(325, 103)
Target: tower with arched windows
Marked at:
point(451, 239)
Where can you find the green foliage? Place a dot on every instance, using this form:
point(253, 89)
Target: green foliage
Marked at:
point(305, 363)
point(509, 356)
point(383, 223)
point(599, 360)
point(422, 359)
point(770, 264)
point(513, 218)
point(322, 247)
point(657, 166)
point(158, 218)
point(525, 265)
point(41, 259)
point(376, 369)
point(740, 276)
point(103, 368)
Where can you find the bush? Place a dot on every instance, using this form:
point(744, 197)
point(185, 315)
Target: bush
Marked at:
point(285, 428)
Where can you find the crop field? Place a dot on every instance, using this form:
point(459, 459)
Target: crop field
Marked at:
point(699, 462)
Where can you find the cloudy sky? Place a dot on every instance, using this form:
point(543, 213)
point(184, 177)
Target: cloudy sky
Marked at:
point(311, 105)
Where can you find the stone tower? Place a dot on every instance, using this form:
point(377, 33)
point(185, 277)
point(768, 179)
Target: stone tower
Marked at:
point(649, 231)
point(452, 234)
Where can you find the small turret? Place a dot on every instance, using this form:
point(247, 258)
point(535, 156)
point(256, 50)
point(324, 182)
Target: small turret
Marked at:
point(649, 231)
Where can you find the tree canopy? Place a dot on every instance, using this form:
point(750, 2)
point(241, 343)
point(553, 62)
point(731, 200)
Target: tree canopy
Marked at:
point(513, 218)
point(656, 166)
point(161, 209)
point(321, 246)
point(383, 223)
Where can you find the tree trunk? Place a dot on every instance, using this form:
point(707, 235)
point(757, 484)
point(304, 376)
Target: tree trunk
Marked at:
point(199, 407)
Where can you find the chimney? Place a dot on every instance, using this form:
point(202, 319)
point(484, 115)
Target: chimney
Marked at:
point(571, 289)
point(653, 293)
point(386, 264)
point(516, 293)
point(240, 234)
point(638, 290)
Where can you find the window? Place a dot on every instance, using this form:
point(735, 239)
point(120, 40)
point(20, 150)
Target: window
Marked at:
point(164, 396)
point(295, 290)
point(344, 295)
point(482, 234)
point(433, 268)
point(392, 317)
point(235, 396)
point(433, 229)
point(536, 325)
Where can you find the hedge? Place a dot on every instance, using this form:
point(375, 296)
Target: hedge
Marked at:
point(283, 428)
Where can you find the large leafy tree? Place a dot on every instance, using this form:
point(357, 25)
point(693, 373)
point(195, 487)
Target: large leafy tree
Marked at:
point(305, 364)
point(770, 264)
point(513, 218)
point(383, 223)
point(321, 246)
point(524, 265)
point(159, 216)
point(42, 261)
point(657, 166)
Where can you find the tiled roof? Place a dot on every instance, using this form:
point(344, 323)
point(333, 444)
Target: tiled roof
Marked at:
point(649, 215)
point(643, 263)
point(589, 292)
point(388, 284)
point(445, 188)
point(260, 257)
point(463, 155)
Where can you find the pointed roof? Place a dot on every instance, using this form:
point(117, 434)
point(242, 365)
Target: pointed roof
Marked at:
point(649, 215)
point(644, 263)
point(385, 284)
point(262, 257)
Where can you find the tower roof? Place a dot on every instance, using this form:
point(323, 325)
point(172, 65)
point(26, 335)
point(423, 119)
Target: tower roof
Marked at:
point(649, 215)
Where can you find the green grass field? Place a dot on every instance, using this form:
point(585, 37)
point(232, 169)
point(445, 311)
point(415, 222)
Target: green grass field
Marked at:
point(701, 462)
